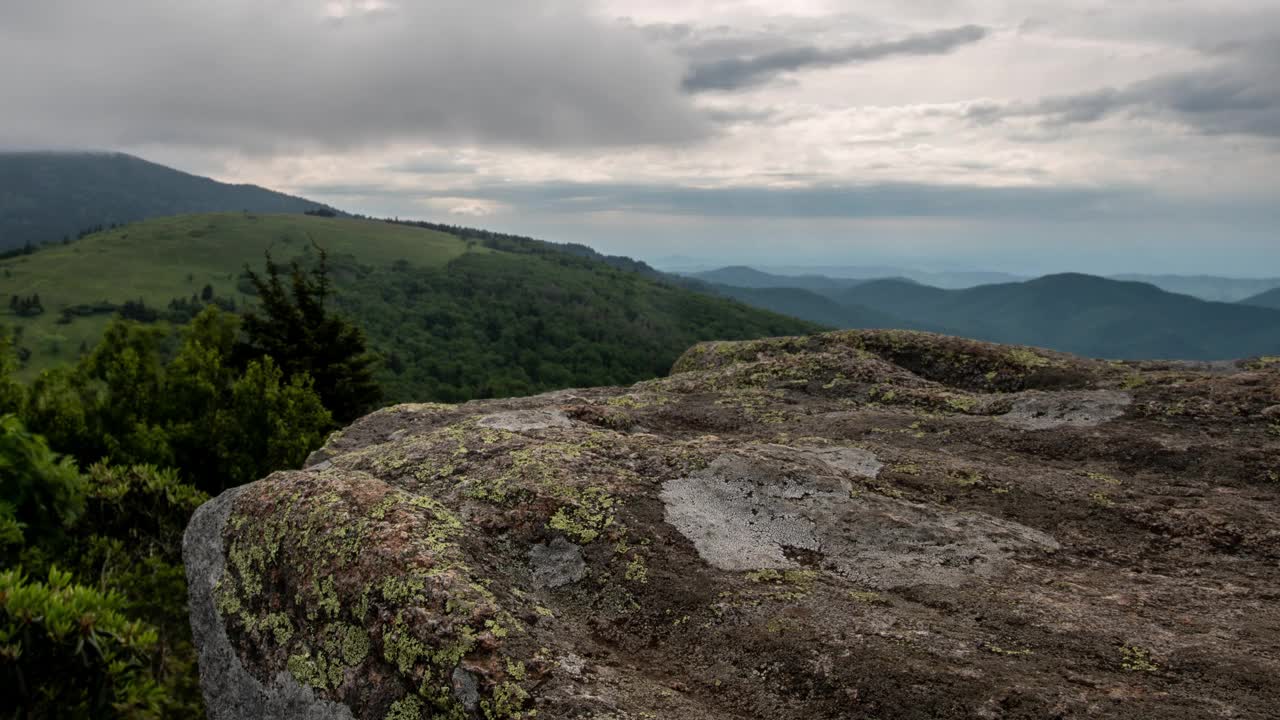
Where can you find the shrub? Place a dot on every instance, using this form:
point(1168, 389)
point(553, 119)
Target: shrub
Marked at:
point(42, 492)
point(68, 651)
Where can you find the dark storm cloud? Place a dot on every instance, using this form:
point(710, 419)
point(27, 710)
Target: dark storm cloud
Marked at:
point(736, 73)
point(283, 75)
point(1238, 96)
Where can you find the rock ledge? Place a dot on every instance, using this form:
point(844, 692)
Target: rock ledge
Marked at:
point(864, 524)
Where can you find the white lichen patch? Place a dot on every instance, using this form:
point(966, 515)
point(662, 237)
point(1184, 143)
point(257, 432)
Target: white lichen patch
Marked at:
point(747, 513)
point(524, 420)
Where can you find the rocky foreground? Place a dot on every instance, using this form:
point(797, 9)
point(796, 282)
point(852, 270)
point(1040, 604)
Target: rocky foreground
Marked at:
point(852, 525)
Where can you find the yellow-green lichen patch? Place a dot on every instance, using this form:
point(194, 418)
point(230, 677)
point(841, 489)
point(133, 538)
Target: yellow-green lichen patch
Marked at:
point(1137, 659)
point(342, 647)
point(590, 512)
point(1028, 358)
point(507, 703)
point(406, 708)
point(341, 551)
point(1006, 652)
point(637, 570)
point(868, 597)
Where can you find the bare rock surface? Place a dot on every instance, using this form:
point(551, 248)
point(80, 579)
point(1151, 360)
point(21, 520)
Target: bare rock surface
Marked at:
point(1045, 411)
point(863, 524)
point(556, 563)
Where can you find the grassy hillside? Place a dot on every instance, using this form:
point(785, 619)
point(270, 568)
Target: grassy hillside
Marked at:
point(455, 318)
point(45, 196)
point(1086, 315)
point(1268, 299)
point(166, 258)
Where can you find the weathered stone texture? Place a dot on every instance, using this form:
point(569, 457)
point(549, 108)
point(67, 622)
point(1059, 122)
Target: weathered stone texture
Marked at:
point(864, 524)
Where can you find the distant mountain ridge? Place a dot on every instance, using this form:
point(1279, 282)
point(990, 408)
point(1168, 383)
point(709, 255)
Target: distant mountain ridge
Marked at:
point(1268, 299)
point(1087, 315)
point(1207, 287)
point(749, 277)
point(1083, 314)
point(949, 279)
point(818, 308)
point(45, 196)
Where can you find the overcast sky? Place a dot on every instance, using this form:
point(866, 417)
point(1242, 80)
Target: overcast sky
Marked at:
point(1028, 136)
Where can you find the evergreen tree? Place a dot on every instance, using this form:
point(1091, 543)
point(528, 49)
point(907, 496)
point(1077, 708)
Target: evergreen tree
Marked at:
point(293, 325)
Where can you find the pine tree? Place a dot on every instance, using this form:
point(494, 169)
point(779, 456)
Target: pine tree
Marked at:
point(293, 325)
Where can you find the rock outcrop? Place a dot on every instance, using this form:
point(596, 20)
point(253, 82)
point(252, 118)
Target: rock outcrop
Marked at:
point(852, 525)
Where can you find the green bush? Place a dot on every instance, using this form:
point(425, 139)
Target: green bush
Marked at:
point(69, 651)
point(40, 492)
point(134, 401)
point(113, 612)
point(11, 392)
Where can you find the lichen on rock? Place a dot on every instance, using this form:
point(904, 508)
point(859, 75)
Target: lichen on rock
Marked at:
point(858, 524)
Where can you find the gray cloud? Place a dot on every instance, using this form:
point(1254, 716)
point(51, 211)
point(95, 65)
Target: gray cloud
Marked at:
point(432, 166)
point(736, 73)
point(236, 73)
point(1239, 96)
point(882, 200)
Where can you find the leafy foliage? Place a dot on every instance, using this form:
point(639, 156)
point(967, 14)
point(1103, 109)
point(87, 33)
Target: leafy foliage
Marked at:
point(11, 391)
point(47, 628)
point(40, 491)
point(125, 403)
point(106, 634)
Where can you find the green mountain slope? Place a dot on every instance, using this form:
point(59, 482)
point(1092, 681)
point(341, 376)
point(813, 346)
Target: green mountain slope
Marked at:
point(1086, 315)
point(45, 196)
point(1268, 299)
point(455, 318)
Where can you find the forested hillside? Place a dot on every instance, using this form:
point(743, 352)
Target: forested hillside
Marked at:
point(46, 196)
point(452, 318)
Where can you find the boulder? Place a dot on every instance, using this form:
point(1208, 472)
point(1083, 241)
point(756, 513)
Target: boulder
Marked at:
point(876, 524)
